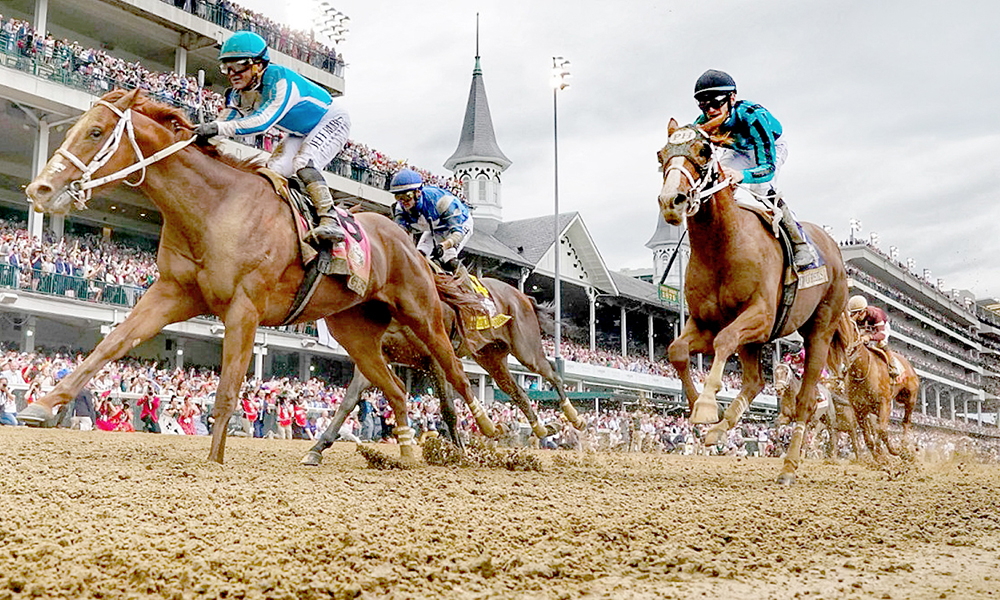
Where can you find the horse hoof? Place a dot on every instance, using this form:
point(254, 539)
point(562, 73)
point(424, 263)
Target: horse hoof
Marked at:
point(408, 453)
point(714, 435)
point(35, 415)
point(786, 479)
point(312, 459)
point(704, 412)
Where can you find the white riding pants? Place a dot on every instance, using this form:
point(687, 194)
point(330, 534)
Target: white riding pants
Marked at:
point(739, 161)
point(320, 146)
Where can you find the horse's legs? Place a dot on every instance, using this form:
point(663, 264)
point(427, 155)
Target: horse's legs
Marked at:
point(885, 412)
point(751, 324)
point(431, 332)
point(356, 329)
point(352, 396)
point(241, 321)
point(494, 360)
point(163, 303)
point(526, 346)
point(752, 384)
point(679, 352)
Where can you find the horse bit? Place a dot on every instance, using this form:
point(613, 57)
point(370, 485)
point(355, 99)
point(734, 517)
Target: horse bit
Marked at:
point(80, 189)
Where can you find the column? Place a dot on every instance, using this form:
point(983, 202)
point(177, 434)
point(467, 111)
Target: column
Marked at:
point(592, 296)
point(305, 361)
point(979, 411)
point(57, 225)
point(965, 408)
point(180, 60)
point(482, 389)
point(649, 336)
point(28, 335)
point(923, 399)
point(951, 397)
point(39, 157)
point(41, 22)
point(522, 276)
point(179, 364)
point(937, 402)
point(259, 352)
point(624, 333)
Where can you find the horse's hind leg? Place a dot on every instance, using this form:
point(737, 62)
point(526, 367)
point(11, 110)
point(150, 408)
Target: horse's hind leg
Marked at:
point(352, 396)
point(163, 303)
point(494, 361)
point(527, 349)
point(752, 384)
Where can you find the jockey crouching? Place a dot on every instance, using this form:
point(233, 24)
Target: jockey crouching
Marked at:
point(263, 96)
point(875, 330)
point(752, 151)
point(443, 221)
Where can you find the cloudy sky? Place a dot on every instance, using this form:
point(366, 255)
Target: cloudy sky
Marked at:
point(889, 107)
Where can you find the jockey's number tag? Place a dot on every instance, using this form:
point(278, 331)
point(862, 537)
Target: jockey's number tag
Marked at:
point(681, 136)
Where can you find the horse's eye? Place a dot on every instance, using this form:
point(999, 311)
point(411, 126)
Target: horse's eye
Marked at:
point(96, 133)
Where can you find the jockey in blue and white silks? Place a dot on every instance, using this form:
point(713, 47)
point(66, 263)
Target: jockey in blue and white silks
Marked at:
point(265, 96)
point(443, 221)
point(752, 149)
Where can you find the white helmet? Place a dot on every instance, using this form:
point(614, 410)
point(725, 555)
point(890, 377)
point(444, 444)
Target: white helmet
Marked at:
point(856, 304)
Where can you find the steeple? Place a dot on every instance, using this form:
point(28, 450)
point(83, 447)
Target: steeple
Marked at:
point(478, 161)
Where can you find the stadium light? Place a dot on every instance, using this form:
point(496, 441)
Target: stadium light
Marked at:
point(893, 252)
point(560, 72)
point(855, 228)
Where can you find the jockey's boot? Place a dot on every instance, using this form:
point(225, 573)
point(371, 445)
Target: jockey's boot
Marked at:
point(802, 252)
point(328, 229)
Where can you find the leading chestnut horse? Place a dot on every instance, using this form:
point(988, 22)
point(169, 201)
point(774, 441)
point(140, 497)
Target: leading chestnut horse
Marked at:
point(229, 248)
point(732, 287)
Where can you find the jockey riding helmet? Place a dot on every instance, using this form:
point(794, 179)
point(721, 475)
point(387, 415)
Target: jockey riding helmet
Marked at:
point(404, 181)
point(244, 45)
point(856, 304)
point(713, 83)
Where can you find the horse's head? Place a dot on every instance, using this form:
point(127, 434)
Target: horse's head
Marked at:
point(92, 146)
point(688, 166)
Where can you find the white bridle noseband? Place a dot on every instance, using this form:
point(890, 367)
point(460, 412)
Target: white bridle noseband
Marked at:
point(698, 191)
point(80, 189)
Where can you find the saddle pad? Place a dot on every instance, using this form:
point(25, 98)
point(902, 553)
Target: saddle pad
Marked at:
point(494, 318)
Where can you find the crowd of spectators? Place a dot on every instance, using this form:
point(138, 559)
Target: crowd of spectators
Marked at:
point(917, 332)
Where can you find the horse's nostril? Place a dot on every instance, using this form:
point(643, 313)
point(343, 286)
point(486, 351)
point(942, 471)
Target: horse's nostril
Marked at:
point(679, 199)
point(36, 190)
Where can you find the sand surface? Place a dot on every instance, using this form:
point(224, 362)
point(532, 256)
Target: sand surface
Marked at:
point(105, 515)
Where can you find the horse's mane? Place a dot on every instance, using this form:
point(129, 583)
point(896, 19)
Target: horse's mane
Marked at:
point(712, 129)
point(174, 119)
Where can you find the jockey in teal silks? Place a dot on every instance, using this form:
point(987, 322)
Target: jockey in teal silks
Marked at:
point(752, 147)
point(263, 96)
point(443, 221)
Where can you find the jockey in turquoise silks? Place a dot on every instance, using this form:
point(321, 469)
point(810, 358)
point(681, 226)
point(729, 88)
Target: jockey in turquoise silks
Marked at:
point(752, 147)
point(264, 96)
point(443, 221)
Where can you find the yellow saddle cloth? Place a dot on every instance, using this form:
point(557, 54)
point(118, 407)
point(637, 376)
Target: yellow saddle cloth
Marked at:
point(493, 319)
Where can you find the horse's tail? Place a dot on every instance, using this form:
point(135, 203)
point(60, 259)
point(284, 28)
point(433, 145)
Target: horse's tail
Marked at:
point(545, 312)
point(836, 358)
point(466, 304)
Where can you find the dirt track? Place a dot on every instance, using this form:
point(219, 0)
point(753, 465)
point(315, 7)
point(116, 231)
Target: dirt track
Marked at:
point(93, 514)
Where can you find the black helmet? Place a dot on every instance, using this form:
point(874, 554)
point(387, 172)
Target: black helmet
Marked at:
point(713, 83)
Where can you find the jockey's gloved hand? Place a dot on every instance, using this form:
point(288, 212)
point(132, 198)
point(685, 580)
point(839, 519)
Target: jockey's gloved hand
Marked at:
point(205, 131)
point(733, 175)
point(437, 253)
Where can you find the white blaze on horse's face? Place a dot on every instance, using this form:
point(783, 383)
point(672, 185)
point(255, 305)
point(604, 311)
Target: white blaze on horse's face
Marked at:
point(48, 191)
point(673, 197)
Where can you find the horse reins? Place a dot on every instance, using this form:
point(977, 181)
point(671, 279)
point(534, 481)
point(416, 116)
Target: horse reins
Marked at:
point(698, 187)
point(80, 189)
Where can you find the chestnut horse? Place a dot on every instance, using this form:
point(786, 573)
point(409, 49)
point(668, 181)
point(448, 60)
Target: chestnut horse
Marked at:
point(838, 416)
point(872, 391)
point(520, 336)
point(229, 248)
point(732, 286)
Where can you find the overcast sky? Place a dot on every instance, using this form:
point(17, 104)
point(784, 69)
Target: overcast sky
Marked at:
point(889, 107)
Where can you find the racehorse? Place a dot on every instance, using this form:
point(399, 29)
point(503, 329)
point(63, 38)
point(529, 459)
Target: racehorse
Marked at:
point(872, 391)
point(837, 416)
point(520, 336)
point(732, 286)
point(229, 248)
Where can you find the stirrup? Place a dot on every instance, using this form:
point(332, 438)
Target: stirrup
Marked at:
point(329, 232)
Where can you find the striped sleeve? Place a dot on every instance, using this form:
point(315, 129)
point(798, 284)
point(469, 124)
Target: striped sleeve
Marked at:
point(275, 103)
point(763, 147)
point(453, 214)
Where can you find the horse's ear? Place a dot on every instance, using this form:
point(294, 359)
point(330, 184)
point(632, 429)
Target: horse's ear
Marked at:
point(128, 100)
point(672, 126)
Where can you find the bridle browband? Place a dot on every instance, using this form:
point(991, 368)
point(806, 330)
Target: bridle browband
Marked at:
point(80, 189)
point(707, 175)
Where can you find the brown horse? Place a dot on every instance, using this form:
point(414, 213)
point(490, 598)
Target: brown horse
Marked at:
point(872, 391)
point(520, 336)
point(229, 248)
point(732, 287)
point(837, 417)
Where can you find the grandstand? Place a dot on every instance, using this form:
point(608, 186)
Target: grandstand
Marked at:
point(46, 82)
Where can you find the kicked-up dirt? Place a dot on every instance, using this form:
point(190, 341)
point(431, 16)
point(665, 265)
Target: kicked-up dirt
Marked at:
point(105, 515)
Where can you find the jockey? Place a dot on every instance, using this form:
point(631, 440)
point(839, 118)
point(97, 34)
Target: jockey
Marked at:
point(874, 325)
point(443, 221)
point(752, 148)
point(263, 96)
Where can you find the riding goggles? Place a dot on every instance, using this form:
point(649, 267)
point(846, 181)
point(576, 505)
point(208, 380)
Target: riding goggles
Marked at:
point(712, 102)
point(235, 67)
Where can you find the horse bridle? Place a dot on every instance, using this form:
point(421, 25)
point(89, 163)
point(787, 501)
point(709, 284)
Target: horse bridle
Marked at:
point(707, 174)
point(80, 189)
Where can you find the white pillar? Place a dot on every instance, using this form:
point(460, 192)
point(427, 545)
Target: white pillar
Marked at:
point(482, 389)
point(650, 336)
point(965, 408)
point(180, 355)
point(304, 361)
point(180, 60)
point(624, 334)
point(258, 362)
point(28, 335)
point(39, 156)
point(951, 397)
point(592, 296)
point(41, 22)
point(979, 411)
point(937, 402)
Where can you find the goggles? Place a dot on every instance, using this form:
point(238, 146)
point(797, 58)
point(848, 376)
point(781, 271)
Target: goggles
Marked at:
point(235, 67)
point(407, 195)
point(712, 102)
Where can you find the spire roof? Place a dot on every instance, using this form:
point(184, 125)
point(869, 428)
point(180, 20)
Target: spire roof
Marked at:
point(478, 142)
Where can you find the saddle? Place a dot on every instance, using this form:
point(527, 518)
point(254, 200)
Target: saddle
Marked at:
point(792, 280)
point(890, 360)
